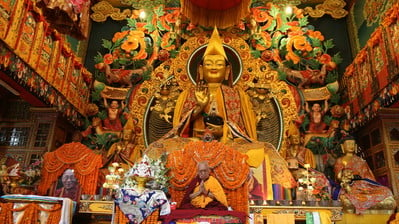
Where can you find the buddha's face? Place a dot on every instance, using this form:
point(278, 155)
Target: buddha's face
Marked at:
point(349, 146)
point(214, 68)
point(127, 135)
point(295, 139)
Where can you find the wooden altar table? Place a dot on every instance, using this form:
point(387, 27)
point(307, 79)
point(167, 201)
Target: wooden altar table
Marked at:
point(335, 213)
point(98, 211)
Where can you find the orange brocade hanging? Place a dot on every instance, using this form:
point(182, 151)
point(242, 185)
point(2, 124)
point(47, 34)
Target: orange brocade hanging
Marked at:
point(30, 213)
point(75, 156)
point(228, 166)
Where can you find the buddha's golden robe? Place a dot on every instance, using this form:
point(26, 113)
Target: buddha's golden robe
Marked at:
point(211, 185)
point(235, 108)
point(306, 156)
point(232, 105)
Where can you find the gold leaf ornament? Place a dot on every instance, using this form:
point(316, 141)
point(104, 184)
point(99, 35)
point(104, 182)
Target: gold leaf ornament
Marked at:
point(335, 8)
point(104, 9)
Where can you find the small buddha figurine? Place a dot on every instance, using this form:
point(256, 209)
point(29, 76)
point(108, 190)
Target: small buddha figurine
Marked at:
point(121, 151)
point(114, 111)
point(346, 177)
point(296, 150)
point(359, 188)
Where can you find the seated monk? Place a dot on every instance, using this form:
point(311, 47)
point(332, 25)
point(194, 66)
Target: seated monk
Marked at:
point(204, 191)
point(359, 188)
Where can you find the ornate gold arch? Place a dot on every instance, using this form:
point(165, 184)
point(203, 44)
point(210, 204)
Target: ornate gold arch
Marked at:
point(176, 69)
point(142, 98)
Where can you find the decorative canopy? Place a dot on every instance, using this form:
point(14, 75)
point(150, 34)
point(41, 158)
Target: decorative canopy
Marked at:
point(75, 156)
point(220, 13)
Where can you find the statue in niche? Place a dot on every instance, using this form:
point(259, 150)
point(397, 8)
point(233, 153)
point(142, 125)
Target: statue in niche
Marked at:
point(121, 151)
point(296, 150)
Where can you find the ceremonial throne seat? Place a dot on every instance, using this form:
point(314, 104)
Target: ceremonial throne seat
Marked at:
point(228, 166)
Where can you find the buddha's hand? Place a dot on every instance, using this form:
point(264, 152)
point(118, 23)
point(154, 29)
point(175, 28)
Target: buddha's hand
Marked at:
point(217, 130)
point(202, 95)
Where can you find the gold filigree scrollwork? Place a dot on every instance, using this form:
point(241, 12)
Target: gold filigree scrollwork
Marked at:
point(104, 9)
point(335, 8)
point(260, 76)
point(112, 92)
point(142, 99)
point(261, 94)
point(165, 100)
point(146, 95)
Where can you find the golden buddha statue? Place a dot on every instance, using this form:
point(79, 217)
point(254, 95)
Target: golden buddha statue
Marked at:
point(226, 112)
point(296, 150)
point(359, 187)
point(211, 97)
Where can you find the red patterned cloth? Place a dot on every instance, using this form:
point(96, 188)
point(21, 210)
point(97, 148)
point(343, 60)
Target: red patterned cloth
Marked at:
point(229, 104)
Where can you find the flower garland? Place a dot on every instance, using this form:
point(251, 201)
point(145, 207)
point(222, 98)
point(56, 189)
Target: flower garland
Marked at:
point(31, 213)
point(228, 166)
point(75, 156)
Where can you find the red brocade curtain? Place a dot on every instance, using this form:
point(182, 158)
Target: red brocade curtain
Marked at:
point(216, 5)
point(75, 156)
point(220, 13)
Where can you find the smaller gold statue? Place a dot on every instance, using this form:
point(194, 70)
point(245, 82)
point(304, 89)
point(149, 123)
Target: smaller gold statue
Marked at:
point(121, 151)
point(359, 187)
point(296, 150)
